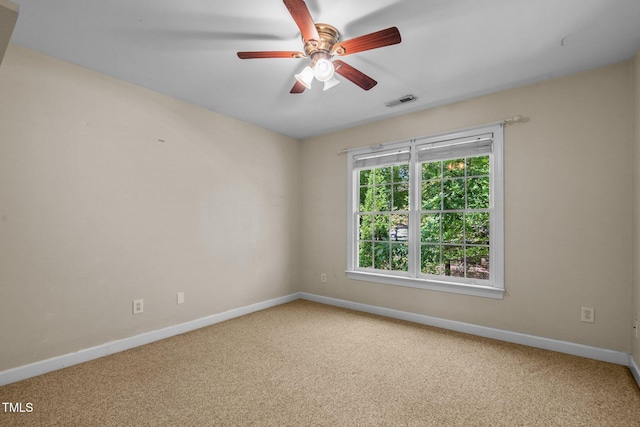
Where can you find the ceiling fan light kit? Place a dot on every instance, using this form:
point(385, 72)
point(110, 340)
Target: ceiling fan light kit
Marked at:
point(305, 77)
point(331, 83)
point(321, 44)
point(323, 70)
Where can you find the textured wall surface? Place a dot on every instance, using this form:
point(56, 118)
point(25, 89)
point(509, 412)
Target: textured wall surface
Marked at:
point(568, 210)
point(110, 192)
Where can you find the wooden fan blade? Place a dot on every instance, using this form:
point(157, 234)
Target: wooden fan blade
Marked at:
point(375, 40)
point(270, 54)
point(298, 88)
point(354, 75)
point(300, 13)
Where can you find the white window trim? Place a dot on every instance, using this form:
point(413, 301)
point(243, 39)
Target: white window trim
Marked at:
point(490, 289)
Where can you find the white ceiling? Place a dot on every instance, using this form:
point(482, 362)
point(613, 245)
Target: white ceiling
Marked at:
point(451, 50)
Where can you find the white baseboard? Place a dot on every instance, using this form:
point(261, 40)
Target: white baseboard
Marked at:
point(635, 370)
point(53, 364)
point(38, 368)
point(617, 357)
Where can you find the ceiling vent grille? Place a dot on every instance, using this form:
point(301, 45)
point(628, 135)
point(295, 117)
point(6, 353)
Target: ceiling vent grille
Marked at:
point(403, 100)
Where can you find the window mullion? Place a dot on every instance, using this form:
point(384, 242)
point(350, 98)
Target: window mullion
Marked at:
point(440, 240)
point(464, 219)
point(415, 184)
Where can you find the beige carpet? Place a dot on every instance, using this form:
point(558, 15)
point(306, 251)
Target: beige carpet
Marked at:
point(304, 363)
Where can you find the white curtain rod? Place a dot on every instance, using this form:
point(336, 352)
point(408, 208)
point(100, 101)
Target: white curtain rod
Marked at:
point(506, 122)
point(515, 119)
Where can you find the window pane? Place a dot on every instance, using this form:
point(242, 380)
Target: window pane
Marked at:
point(401, 173)
point(453, 194)
point(478, 166)
point(365, 176)
point(431, 171)
point(432, 195)
point(367, 191)
point(381, 227)
point(401, 197)
point(430, 259)
point(452, 227)
point(383, 190)
point(365, 255)
point(400, 256)
point(381, 256)
point(366, 199)
point(382, 175)
point(478, 193)
point(383, 198)
point(454, 168)
point(399, 228)
point(366, 227)
point(430, 228)
point(477, 228)
point(452, 258)
point(478, 262)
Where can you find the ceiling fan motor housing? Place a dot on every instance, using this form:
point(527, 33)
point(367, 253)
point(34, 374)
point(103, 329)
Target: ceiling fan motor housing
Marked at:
point(316, 49)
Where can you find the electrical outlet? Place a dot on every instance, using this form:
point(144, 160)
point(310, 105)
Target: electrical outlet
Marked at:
point(138, 306)
point(588, 315)
point(323, 278)
point(180, 297)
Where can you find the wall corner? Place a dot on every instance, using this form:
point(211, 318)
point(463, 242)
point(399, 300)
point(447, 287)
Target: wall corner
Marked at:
point(635, 340)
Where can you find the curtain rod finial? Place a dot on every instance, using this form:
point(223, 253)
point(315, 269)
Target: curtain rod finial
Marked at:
point(515, 119)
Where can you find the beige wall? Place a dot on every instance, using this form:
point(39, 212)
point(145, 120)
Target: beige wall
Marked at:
point(110, 192)
point(635, 347)
point(568, 180)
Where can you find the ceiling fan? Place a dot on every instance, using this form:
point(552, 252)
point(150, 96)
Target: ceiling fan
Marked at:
point(321, 44)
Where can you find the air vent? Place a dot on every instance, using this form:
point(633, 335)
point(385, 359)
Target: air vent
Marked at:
point(403, 100)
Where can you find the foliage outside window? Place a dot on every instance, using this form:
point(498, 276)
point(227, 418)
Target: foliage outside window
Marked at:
point(455, 218)
point(384, 218)
point(428, 213)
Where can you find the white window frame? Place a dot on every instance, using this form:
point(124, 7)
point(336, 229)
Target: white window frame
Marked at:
point(492, 288)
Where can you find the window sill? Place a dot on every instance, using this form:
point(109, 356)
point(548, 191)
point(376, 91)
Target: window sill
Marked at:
point(432, 285)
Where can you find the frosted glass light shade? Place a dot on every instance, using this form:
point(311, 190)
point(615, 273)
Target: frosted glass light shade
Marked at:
point(323, 70)
point(306, 77)
point(331, 83)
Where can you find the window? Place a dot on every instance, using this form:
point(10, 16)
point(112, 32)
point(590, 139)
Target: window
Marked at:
point(428, 213)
